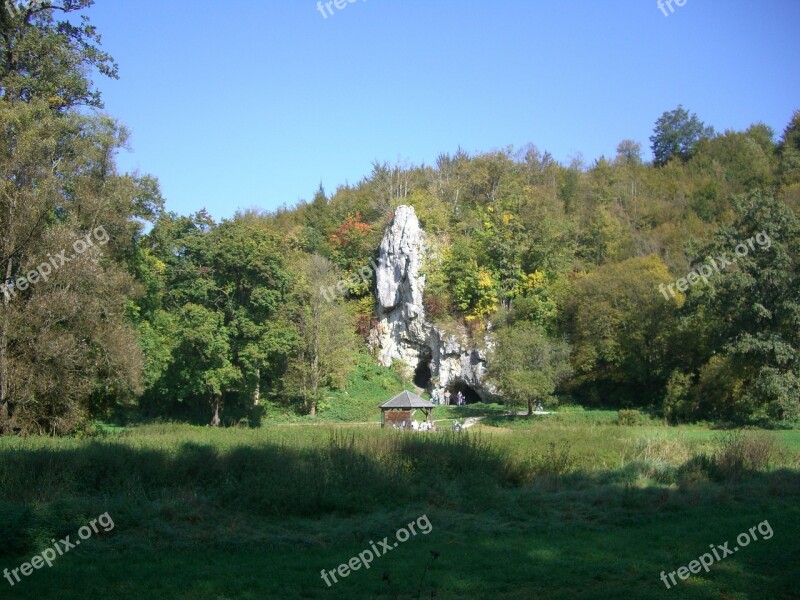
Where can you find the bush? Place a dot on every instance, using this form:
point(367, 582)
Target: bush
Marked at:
point(630, 417)
point(739, 452)
point(555, 462)
point(678, 405)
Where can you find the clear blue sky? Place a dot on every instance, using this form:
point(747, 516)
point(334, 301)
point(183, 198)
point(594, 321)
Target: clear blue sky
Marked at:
point(234, 104)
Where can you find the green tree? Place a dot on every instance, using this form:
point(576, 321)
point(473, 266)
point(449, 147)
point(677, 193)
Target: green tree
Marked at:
point(747, 317)
point(472, 287)
point(744, 160)
point(528, 365)
point(66, 346)
point(676, 134)
point(201, 369)
point(617, 320)
point(326, 343)
point(234, 270)
point(250, 285)
point(48, 59)
point(629, 152)
point(789, 151)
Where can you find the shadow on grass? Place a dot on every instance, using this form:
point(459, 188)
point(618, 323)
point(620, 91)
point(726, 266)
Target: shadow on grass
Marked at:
point(504, 527)
point(342, 476)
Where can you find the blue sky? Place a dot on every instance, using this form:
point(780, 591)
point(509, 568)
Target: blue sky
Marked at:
point(253, 103)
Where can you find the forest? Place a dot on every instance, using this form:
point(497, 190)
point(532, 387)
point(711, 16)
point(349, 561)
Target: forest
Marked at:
point(115, 309)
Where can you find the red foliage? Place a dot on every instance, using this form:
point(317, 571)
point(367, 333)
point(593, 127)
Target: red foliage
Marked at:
point(435, 306)
point(352, 232)
point(365, 322)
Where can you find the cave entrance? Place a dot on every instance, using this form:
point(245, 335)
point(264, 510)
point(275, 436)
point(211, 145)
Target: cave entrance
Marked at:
point(470, 395)
point(422, 374)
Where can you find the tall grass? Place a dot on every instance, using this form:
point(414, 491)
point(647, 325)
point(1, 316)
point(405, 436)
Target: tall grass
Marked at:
point(173, 478)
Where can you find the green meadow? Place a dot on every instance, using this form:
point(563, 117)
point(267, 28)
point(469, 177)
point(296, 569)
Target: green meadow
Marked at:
point(570, 505)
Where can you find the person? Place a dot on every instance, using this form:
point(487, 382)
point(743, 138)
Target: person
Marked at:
point(460, 399)
point(447, 397)
point(435, 397)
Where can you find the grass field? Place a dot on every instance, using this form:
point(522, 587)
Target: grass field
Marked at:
point(568, 506)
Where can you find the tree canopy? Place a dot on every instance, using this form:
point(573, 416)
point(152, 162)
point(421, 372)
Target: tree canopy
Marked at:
point(110, 304)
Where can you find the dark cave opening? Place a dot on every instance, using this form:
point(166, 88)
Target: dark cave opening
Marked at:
point(470, 395)
point(422, 374)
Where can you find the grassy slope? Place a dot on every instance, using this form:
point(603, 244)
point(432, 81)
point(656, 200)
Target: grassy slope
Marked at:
point(203, 514)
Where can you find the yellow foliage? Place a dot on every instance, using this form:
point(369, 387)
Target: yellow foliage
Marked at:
point(528, 283)
point(489, 298)
point(485, 280)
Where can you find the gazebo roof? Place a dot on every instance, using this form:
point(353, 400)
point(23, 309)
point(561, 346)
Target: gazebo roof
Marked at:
point(406, 400)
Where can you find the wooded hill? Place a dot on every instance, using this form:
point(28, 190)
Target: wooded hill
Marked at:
point(190, 318)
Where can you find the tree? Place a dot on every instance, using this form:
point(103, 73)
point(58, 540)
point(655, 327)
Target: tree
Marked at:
point(617, 320)
point(42, 58)
point(789, 152)
point(66, 345)
point(746, 320)
point(326, 343)
point(201, 369)
point(675, 135)
point(251, 284)
point(234, 270)
point(629, 152)
point(473, 288)
point(745, 160)
point(528, 365)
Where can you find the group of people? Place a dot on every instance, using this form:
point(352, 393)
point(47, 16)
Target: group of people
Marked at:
point(461, 400)
point(415, 426)
point(423, 426)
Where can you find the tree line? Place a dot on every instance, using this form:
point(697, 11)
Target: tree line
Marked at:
point(181, 316)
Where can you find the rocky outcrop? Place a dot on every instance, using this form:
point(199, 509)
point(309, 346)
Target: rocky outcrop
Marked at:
point(440, 360)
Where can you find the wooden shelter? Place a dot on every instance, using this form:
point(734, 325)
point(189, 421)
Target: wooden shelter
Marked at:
point(402, 407)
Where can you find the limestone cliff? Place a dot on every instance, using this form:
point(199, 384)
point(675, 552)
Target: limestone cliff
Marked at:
point(439, 360)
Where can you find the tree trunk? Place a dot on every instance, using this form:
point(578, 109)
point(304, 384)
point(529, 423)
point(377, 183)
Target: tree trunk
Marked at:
point(4, 412)
point(216, 402)
point(530, 407)
point(257, 390)
point(315, 370)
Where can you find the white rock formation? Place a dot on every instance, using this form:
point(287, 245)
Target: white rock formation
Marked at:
point(403, 333)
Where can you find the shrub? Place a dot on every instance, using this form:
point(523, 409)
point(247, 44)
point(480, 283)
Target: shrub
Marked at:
point(555, 462)
point(629, 417)
point(736, 453)
point(678, 405)
point(744, 451)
